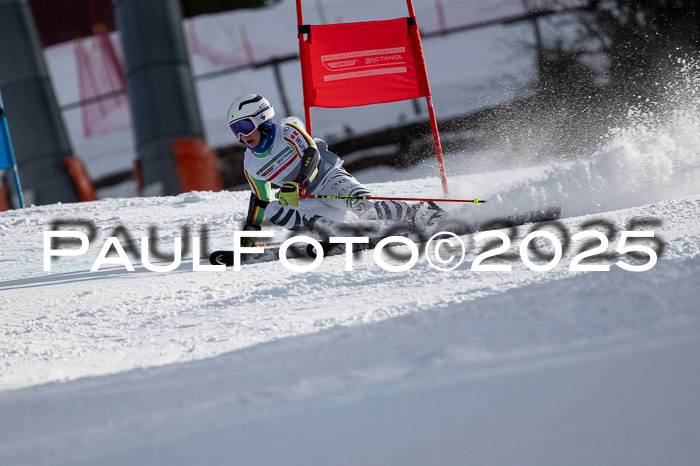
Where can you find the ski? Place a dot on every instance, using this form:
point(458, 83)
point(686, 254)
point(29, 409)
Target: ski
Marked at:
point(295, 251)
point(270, 252)
point(307, 251)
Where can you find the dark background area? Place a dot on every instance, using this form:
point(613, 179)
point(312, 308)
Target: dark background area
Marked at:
point(63, 20)
point(572, 106)
point(572, 103)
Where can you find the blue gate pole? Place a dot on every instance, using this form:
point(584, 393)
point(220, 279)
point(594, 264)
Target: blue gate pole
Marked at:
point(6, 143)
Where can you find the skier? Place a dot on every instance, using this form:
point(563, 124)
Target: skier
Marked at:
point(284, 156)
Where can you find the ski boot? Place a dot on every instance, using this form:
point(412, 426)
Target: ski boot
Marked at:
point(320, 226)
point(426, 215)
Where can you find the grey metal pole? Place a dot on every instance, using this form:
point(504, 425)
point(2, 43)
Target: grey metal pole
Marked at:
point(280, 86)
point(538, 41)
point(38, 135)
point(161, 92)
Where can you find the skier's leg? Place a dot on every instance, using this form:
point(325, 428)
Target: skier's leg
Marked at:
point(342, 183)
point(294, 218)
point(311, 211)
point(289, 217)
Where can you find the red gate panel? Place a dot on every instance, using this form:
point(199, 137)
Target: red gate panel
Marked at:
point(353, 64)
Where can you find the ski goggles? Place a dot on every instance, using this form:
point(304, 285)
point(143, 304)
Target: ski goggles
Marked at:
point(243, 127)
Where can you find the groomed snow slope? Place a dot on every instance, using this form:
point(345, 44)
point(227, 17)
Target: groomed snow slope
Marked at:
point(266, 366)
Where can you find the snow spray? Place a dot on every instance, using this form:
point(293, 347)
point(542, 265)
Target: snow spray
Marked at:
point(651, 156)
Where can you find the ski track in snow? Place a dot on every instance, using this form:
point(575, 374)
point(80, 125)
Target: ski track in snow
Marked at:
point(73, 323)
point(170, 366)
point(477, 331)
point(417, 367)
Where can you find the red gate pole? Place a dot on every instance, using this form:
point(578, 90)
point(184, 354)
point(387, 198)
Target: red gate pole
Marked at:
point(431, 109)
point(302, 53)
point(438, 146)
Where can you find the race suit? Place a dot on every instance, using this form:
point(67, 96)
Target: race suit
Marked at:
point(282, 161)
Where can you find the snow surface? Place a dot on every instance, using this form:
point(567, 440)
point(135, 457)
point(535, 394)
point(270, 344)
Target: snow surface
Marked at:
point(268, 366)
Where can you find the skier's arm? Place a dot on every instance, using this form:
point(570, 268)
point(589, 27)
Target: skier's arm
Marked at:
point(310, 159)
point(310, 162)
point(305, 147)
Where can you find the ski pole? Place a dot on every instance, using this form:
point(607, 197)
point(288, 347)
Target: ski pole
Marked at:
point(476, 201)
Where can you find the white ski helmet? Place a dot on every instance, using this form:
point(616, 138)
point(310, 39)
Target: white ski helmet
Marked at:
point(249, 112)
